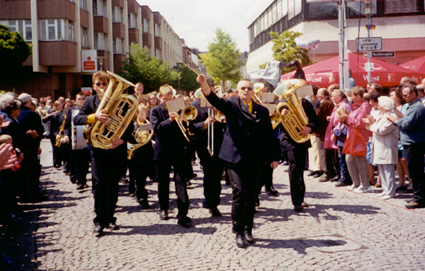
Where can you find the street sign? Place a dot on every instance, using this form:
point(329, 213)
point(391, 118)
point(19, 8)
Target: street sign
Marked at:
point(369, 44)
point(369, 66)
point(383, 54)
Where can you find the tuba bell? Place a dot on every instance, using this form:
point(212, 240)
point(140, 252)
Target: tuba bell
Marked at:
point(120, 109)
point(142, 135)
point(295, 121)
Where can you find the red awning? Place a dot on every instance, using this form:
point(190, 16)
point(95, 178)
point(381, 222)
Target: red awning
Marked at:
point(326, 72)
point(417, 65)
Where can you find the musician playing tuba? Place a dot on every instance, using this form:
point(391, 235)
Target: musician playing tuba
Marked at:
point(296, 150)
point(108, 164)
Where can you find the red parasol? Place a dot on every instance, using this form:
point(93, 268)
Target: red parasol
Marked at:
point(417, 65)
point(326, 72)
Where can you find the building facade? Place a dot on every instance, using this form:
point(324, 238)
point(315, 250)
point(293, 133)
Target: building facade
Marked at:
point(61, 31)
point(399, 23)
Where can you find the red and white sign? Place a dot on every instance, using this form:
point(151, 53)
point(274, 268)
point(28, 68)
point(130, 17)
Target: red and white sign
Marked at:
point(88, 60)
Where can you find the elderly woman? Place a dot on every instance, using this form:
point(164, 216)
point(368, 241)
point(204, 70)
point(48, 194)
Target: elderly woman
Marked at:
point(357, 165)
point(384, 147)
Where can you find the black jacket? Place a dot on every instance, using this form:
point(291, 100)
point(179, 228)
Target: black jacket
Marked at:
point(248, 136)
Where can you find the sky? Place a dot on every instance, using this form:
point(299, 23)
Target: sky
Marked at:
point(196, 20)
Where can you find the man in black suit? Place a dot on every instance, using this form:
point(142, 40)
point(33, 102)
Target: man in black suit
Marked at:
point(107, 165)
point(80, 157)
point(170, 152)
point(211, 164)
point(247, 144)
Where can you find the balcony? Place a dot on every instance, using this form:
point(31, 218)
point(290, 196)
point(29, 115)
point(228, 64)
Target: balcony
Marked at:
point(58, 53)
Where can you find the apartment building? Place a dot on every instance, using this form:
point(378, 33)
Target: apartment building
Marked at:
point(399, 23)
point(71, 39)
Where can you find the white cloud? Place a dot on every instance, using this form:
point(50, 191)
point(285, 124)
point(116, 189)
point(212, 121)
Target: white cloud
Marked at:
point(196, 20)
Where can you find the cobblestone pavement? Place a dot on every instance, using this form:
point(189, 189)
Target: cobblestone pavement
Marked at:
point(341, 230)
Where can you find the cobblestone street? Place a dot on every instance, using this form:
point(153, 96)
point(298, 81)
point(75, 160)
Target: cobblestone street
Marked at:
point(341, 230)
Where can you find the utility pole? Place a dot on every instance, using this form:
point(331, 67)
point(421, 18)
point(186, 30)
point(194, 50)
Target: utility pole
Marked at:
point(343, 55)
point(368, 12)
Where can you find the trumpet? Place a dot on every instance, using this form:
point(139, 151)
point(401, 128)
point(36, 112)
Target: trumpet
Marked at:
point(258, 87)
point(188, 114)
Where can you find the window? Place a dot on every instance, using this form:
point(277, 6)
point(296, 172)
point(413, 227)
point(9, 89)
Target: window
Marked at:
point(145, 25)
point(84, 37)
point(99, 41)
point(117, 14)
point(157, 53)
point(22, 26)
point(397, 6)
point(99, 8)
point(118, 46)
point(83, 4)
point(157, 30)
point(132, 20)
point(71, 33)
point(291, 9)
point(298, 7)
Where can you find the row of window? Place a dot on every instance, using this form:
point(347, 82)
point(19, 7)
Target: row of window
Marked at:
point(83, 4)
point(292, 10)
point(50, 30)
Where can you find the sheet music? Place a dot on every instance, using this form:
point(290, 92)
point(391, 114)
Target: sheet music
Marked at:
point(175, 105)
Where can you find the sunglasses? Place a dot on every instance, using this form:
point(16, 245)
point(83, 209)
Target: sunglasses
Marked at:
point(81, 98)
point(246, 88)
point(102, 84)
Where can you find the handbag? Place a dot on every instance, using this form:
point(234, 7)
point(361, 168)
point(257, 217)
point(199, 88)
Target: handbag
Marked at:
point(355, 144)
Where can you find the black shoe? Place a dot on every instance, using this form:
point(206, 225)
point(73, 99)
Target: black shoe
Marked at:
point(66, 171)
point(144, 204)
point(304, 204)
point(317, 174)
point(311, 173)
point(272, 192)
point(184, 221)
point(401, 188)
point(215, 212)
point(414, 205)
point(163, 215)
point(340, 183)
point(82, 186)
point(98, 231)
point(113, 227)
point(73, 179)
point(298, 208)
point(249, 238)
point(334, 179)
point(240, 241)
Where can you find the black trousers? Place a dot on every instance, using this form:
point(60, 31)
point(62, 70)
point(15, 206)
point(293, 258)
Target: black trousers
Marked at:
point(106, 173)
point(80, 160)
point(213, 171)
point(415, 163)
point(296, 160)
point(138, 175)
point(180, 178)
point(244, 177)
point(266, 178)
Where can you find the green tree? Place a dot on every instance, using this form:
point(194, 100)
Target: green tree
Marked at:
point(151, 71)
point(13, 49)
point(187, 78)
point(222, 58)
point(285, 48)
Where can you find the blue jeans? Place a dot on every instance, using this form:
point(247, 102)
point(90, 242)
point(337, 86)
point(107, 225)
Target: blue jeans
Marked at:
point(344, 174)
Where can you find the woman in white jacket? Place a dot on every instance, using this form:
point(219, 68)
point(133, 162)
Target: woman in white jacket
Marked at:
point(384, 147)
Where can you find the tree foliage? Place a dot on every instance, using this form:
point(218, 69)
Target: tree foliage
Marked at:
point(13, 49)
point(222, 59)
point(285, 48)
point(187, 78)
point(151, 71)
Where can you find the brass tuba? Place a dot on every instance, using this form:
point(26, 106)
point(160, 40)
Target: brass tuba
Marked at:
point(120, 109)
point(295, 121)
point(142, 137)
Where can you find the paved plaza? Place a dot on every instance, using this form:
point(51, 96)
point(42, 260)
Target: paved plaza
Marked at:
point(341, 230)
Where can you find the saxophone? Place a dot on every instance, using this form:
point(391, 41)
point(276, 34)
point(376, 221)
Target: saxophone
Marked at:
point(120, 109)
point(60, 137)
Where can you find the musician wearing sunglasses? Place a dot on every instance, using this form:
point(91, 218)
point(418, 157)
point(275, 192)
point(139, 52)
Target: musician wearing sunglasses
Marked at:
point(248, 143)
point(107, 164)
